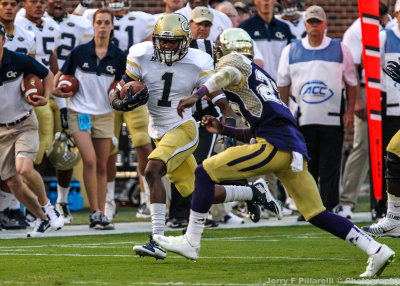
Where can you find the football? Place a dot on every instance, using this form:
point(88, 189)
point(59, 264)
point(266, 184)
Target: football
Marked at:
point(68, 83)
point(136, 86)
point(31, 85)
point(112, 87)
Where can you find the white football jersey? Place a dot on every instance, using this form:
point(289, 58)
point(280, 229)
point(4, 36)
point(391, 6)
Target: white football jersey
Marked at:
point(75, 30)
point(21, 41)
point(132, 28)
point(167, 84)
point(47, 36)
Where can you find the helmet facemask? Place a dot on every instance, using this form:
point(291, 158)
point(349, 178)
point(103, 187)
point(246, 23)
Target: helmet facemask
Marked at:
point(171, 27)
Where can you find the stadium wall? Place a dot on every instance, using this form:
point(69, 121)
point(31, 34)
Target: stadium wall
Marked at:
point(340, 13)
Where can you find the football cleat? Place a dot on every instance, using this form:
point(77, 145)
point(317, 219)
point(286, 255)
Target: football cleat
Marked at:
point(55, 219)
point(263, 197)
point(40, 228)
point(344, 211)
point(179, 245)
point(95, 220)
point(378, 261)
point(384, 227)
point(143, 211)
point(8, 221)
point(105, 224)
point(254, 211)
point(19, 216)
point(151, 249)
point(63, 209)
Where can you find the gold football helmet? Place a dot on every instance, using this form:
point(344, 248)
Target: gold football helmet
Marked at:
point(171, 27)
point(117, 5)
point(233, 40)
point(63, 153)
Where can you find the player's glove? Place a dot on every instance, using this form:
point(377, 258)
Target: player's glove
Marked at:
point(86, 3)
point(64, 118)
point(393, 70)
point(130, 102)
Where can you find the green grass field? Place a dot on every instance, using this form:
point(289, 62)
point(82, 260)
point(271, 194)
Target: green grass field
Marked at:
point(300, 255)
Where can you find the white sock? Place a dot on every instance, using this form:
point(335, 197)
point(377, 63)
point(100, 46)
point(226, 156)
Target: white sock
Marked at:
point(158, 218)
point(5, 199)
point(238, 193)
point(62, 194)
point(363, 241)
point(14, 203)
point(146, 192)
point(110, 191)
point(195, 228)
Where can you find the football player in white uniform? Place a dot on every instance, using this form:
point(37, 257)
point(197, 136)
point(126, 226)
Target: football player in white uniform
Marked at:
point(17, 38)
point(75, 31)
point(170, 70)
point(130, 27)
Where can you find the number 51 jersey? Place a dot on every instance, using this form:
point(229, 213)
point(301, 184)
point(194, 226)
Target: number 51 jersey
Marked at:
point(47, 36)
point(167, 84)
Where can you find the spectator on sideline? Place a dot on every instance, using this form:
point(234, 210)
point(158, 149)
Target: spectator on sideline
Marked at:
point(229, 10)
point(96, 65)
point(133, 27)
point(243, 9)
point(220, 21)
point(19, 141)
point(313, 71)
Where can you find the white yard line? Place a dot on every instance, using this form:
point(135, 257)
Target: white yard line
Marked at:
point(176, 256)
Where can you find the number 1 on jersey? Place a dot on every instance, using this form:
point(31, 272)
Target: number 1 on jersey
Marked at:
point(167, 78)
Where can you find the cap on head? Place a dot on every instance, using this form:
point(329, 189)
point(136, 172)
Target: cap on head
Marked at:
point(201, 14)
point(315, 12)
point(243, 6)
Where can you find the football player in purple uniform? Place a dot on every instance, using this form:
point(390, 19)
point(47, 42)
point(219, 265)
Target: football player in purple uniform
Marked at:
point(276, 145)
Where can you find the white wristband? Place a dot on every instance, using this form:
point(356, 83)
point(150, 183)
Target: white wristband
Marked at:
point(80, 9)
point(218, 97)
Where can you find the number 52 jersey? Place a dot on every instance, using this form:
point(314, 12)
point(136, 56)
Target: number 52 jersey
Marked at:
point(167, 84)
